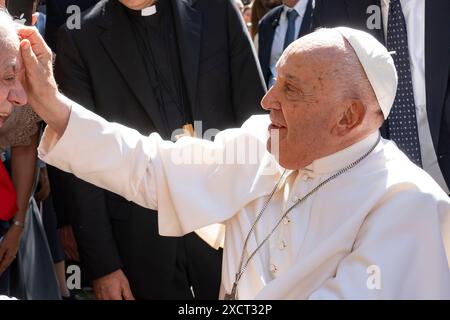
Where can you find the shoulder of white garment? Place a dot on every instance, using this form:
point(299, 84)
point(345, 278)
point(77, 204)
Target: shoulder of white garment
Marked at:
point(400, 174)
point(386, 173)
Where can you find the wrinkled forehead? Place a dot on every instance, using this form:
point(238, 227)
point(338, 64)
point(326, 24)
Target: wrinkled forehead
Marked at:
point(307, 64)
point(317, 54)
point(10, 59)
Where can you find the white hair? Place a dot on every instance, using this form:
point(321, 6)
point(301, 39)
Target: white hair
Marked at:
point(8, 33)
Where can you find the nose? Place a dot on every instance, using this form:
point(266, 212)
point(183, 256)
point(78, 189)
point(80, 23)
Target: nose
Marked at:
point(269, 101)
point(17, 95)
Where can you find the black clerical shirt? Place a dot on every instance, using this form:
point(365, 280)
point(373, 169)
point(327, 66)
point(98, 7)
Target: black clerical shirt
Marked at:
point(156, 40)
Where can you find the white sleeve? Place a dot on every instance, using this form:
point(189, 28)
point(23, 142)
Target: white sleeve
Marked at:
point(105, 154)
point(192, 183)
point(401, 253)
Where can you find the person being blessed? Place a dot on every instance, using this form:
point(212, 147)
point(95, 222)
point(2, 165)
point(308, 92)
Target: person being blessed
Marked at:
point(330, 211)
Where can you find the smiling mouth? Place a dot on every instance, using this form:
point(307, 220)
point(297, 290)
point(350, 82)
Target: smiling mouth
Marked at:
point(276, 126)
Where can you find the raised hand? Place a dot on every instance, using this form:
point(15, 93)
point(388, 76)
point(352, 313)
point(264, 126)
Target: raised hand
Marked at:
point(39, 82)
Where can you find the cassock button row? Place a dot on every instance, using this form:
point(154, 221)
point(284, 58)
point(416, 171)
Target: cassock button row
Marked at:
point(282, 245)
point(273, 268)
point(286, 220)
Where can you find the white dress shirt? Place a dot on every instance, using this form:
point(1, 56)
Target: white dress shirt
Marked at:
point(414, 12)
point(384, 213)
point(280, 34)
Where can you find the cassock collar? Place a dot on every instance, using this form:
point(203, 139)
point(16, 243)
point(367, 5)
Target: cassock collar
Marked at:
point(340, 159)
point(146, 12)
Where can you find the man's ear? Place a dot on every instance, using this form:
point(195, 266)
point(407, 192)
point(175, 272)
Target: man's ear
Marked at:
point(352, 117)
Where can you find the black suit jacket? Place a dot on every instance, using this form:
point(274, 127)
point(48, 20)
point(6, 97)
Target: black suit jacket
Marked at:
point(57, 16)
point(352, 13)
point(266, 32)
point(101, 67)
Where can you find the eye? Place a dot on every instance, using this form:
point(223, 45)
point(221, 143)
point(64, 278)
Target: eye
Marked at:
point(288, 88)
point(10, 78)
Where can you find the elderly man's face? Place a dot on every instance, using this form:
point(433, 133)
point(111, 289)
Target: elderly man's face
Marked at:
point(11, 91)
point(137, 4)
point(302, 106)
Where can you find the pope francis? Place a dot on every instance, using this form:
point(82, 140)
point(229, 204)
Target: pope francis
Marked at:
point(332, 211)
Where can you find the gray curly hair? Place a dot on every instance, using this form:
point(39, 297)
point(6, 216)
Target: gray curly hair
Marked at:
point(8, 33)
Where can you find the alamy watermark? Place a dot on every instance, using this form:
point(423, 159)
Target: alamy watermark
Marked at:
point(74, 20)
point(73, 277)
point(235, 147)
point(375, 19)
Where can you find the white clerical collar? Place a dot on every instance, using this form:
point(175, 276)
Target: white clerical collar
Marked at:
point(149, 11)
point(343, 158)
point(300, 7)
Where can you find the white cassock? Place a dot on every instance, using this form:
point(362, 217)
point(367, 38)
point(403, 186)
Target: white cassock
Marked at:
point(379, 231)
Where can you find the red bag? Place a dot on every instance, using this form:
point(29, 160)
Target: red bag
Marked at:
point(8, 204)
